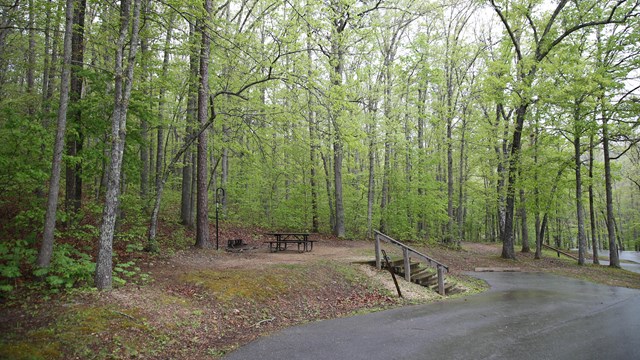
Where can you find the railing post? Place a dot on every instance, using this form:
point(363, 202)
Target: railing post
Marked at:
point(440, 280)
point(378, 262)
point(407, 264)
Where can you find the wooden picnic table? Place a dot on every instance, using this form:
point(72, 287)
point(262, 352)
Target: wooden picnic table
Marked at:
point(282, 239)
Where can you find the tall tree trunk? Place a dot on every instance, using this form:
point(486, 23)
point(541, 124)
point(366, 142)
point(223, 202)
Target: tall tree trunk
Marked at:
point(152, 245)
point(313, 142)
point(46, 247)
point(313, 158)
point(336, 73)
point(422, 98)
point(449, 236)
point(579, 207)
point(145, 157)
point(502, 155)
point(51, 76)
point(514, 161)
point(536, 191)
point(225, 168)
point(386, 173)
point(161, 103)
point(327, 166)
point(46, 65)
point(73, 196)
point(31, 60)
point(339, 226)
point(614, 260)
point(592, 213)
point(186, 208)
point(461, 180)
point(371, 183)
point(122, 89)
point(202, 206)
point(523, 218)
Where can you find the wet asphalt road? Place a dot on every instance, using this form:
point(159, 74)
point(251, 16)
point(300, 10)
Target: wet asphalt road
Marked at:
point(523, 316)
point(632, 262)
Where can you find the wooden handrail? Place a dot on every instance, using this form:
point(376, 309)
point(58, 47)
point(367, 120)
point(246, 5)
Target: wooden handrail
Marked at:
point(406, 250)
point(559, 251)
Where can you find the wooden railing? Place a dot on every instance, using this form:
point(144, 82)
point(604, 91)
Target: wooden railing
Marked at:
point(559, 252)
point(407, 253)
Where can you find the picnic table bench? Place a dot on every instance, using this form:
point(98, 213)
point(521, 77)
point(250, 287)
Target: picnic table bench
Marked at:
point(283, 239)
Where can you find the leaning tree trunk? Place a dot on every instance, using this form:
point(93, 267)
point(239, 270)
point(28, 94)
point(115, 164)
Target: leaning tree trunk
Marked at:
point(122, 89)
point(202, 204)
point(46, 248)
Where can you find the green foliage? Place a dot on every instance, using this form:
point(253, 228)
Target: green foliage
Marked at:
point(69, 268)
point(15, 257)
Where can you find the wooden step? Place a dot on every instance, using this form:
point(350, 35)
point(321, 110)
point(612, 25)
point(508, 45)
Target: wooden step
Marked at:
point(399, 269)
point(394, 263)
point(424, 277)
point(454, 290)
point(421, 273)
point(430, 281)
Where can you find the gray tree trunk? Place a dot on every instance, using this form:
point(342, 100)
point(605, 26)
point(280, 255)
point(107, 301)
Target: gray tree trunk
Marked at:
point(186, 208)
point(313, 144)
point(461, 181)
point(592, 212)
point(152, 245)
point(202, 205)
point(614, 259)
point(31, 59)
point(579, 208)
point(122, 89)
point(326, 166)
point(46, 248)
point(145, 157)
point(73, 195)
point(523, 218)
point(508, 251)
point(386, 173)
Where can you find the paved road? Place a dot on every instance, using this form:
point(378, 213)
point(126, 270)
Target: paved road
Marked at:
point(632, 262)
point(523, 316)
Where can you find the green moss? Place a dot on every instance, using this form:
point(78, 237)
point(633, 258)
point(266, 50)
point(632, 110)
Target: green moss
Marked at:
point(30, 350)
point(168, 299)
point(256, 285)
point(349, 272)
point(78, 333)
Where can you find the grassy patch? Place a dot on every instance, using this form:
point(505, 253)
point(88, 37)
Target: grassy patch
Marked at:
point(251, 285)
point(602, 275)
point(470, 284)
point(32, 349)
point(82, 332)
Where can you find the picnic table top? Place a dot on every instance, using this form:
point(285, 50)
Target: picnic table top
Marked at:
point(287, 233)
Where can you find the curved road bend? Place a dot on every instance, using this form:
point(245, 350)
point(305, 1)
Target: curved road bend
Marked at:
point(523, 316)
point(631, 263)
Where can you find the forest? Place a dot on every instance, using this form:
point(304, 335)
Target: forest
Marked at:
point(511, 121)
